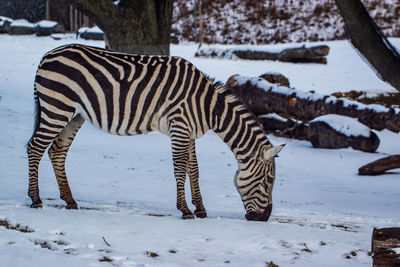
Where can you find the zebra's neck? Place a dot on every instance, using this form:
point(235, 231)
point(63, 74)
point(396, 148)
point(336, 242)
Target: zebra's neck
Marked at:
point(238, 127)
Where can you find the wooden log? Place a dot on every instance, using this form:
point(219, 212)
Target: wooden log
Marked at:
point(385, 247)
point(263, 98)
point(303, 54)
point(380, 166)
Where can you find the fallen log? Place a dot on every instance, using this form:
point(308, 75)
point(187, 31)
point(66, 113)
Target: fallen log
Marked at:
point(328, 131)
point(385, 247)
point(380, 166)
point(303, 54)
point(263, 97)
point(282, 127)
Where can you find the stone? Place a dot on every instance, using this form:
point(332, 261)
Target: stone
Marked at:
point(47, 28)
point(322, 135)
point(22, 27)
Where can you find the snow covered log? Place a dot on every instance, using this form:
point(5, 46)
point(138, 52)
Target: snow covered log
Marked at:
point(279, 126)
point(5, 24)
point(21, 27)
point(276, 78)
point(380, 166)
point(385, 247)
point(337, 131)
point(328, 131)
point(94, 33)
point(263, 97)
point(303, 54)
point(47, 27)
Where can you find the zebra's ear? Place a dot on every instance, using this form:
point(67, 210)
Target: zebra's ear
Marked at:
point(272, 152)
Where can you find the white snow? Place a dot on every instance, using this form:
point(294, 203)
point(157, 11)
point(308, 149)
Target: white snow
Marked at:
point(22, 23)
point(94, 29)
point(345, 125)
point(275, 116)
point(122, 182)
point(82, 30)
point(46, 24)
point(4, 19)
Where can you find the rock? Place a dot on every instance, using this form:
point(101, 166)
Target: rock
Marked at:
point(21, 27)
point(47, 28)
point(276, 78)
point(5, 24)
point(325, 134)
point(91, 34)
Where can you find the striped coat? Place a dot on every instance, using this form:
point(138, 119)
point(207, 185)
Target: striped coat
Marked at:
point(126, 94)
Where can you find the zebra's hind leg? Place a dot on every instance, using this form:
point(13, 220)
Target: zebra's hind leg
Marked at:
point(45, 132)
point(58, 154)
point(180, 145)
point(193, 171)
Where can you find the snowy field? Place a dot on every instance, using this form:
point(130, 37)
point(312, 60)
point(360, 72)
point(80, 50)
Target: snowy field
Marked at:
point(324, 213)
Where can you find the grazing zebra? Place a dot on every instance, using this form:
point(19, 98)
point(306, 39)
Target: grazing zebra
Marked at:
point(126, 94)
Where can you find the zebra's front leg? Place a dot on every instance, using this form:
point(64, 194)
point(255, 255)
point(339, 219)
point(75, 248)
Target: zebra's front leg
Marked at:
point(180, 156)
point(58, 154)
point(193, 171)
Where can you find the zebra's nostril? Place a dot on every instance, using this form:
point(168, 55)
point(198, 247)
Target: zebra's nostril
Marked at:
point(251, 216)
point(255, 216)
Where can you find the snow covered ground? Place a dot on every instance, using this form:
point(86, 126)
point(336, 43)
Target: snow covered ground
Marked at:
point(323, 212)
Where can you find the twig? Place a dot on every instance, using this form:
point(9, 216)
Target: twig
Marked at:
point(106, 242)
point(306, 249)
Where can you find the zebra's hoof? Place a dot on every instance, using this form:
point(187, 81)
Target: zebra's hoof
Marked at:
point(188, 216)
point(36, 205)
point(72, 206)
point(200, 214)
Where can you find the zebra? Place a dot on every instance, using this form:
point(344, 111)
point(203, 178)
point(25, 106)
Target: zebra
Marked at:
point(128, 94)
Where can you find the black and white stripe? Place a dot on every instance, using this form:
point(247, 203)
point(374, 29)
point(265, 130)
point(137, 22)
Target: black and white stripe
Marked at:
point(128, 94)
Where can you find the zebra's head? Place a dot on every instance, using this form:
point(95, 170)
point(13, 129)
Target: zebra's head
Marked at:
point(255, 180)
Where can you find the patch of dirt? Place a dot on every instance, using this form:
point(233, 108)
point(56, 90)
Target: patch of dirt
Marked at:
point(152, 254)
point(16, 227)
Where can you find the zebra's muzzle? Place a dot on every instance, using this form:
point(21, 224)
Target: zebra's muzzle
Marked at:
point(255, 216)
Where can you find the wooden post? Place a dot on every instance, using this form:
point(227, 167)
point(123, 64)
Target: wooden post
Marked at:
point(48, 9)
point(385, 247)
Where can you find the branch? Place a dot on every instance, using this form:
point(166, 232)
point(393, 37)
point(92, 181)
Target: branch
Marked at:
point(370, 42)
point(380, 166)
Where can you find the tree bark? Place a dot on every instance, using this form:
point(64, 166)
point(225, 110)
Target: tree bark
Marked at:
point(385, 247)
point(369, 41)
point(263, 98)
point(132, 26)
point(380, 166)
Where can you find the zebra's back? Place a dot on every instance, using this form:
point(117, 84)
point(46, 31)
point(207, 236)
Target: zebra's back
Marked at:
point(120, 93)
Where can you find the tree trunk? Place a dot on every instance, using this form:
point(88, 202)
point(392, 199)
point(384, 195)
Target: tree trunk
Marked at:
point(385, 247)
point(369, 41)
point(380, 166)
point(132, 26)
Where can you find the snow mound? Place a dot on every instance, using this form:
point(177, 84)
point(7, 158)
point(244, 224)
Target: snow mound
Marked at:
point(46, 24)
point(345, 125)
point(94, 29)
point(22, 23)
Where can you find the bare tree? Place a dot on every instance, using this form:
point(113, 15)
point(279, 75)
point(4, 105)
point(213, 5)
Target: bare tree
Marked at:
point(133, 26)
point(370, 42)
point(379, 53)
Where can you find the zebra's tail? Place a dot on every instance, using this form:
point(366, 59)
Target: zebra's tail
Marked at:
point(37, 113)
